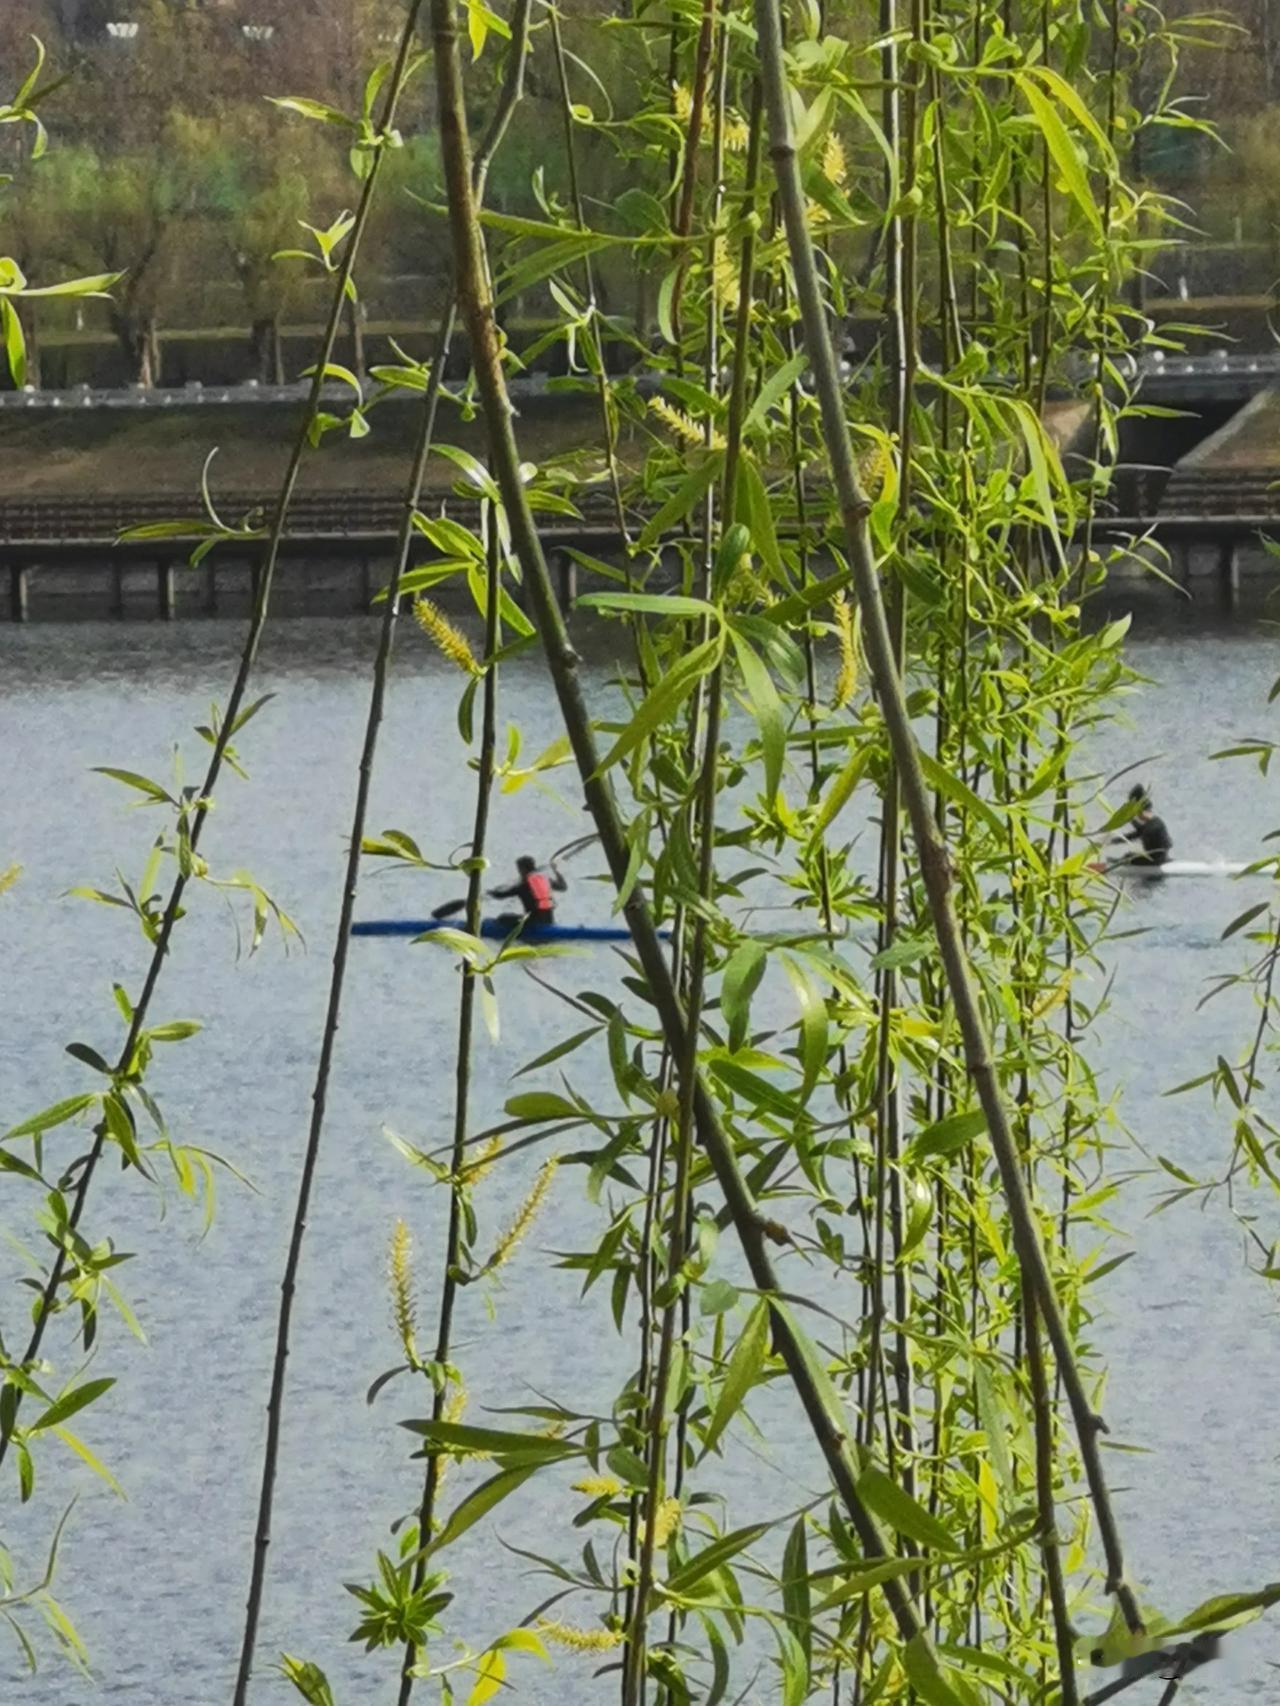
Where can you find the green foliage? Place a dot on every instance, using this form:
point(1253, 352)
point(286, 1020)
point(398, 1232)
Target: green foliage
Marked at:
point(971, 169)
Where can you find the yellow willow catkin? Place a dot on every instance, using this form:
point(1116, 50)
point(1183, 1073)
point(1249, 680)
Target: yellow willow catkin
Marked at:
point(598, 1486)
point(847, 636)
point(736, 134)
point(449, 641)
point(453, 1412)
point(9, 878)
point(403, 1304)
point(457, 1404)
point(681, 101)
point(579, 1640)
point(525, 1218)
point(665, 1523)
point(483, 1163)
point(682, 427)
point(834, 167)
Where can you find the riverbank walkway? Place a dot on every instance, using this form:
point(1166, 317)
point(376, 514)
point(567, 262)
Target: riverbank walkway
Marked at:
point(75, 478)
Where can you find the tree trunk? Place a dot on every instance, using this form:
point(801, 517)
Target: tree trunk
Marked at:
point(31, 329)
point(267, 355)
point(134, 337)
point(355, 326)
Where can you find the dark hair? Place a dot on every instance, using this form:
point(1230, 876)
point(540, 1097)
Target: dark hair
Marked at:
point(1139, 795)
point(525, 864)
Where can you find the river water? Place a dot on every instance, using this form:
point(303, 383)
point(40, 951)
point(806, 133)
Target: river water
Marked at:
point(156, 1581)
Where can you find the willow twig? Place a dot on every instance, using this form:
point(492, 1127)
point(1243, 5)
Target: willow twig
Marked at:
point(462, 1086)
point(199, 811)
point(821, 1403)
point(324, 1067)
point(931, 851)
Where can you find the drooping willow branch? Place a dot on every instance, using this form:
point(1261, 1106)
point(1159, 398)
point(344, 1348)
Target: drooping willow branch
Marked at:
point(704, 806)
point(513, 85)
point(931, 850)
point(608, 425)
point(197, 815)
point(462, 1080)
point(821, 1404)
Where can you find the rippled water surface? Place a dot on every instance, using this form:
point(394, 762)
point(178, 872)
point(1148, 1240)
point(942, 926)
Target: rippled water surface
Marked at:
point(157, 1582)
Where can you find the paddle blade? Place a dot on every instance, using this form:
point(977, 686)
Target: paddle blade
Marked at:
point(450, 909)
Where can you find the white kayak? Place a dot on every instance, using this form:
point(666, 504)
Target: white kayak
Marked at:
point(1183, 868)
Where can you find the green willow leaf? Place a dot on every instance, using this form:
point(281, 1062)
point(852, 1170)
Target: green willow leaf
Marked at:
point(15, 345)
point(556, 1052)
point(991, 1416)
point(840, 789)
point(682, 500)
point(741, 1374)
point(753, 508)
point(884, 1498)
point(741, 979)
point(766, 707)
point(1227, 1610)
point(714, 1556)
point(934, 1685)
point(480, 1502)
point(815, 1025)
point(862, 1582)
point(441, 1437)
point(796, 1597)
point(63, 1408)
point(944, 1137)
point(649, 603)
point(774, 389)
point(143, 784)
point(536, 1105)
point(1062, 148)
point(87, 1457)
point(309, 1680)
point(665, 698)
point(959, 792)
point(57, 1115)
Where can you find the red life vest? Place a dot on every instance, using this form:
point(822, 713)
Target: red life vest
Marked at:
point(539, 892)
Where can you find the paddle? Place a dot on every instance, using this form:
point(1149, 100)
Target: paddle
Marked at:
point(450, 908)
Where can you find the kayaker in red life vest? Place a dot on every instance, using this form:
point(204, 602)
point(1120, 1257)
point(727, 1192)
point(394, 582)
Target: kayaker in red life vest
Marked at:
point(533, 889)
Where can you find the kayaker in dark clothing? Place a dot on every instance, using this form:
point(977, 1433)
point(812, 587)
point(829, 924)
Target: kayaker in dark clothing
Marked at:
point(1146, 828)
point(533, 888)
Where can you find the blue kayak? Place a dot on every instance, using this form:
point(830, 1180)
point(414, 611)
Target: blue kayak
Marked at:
point(491, 928)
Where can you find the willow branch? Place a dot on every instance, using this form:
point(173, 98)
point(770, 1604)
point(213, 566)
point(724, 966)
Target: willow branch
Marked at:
point(821, 1403)
point(709, 705)
point(324, 1067)
point(607, 423)
point(462, 1085)
point(248, 657)
point(1046, 1511)
point(930, 848)
point(689, 179)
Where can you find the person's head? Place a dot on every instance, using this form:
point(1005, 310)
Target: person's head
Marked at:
point(525, 865)
point(1139, 797)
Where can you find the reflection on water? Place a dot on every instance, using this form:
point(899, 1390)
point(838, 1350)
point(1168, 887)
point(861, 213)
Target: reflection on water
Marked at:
point(157, 1584)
